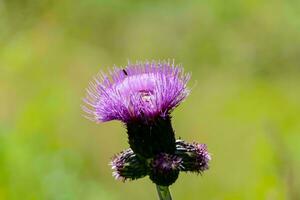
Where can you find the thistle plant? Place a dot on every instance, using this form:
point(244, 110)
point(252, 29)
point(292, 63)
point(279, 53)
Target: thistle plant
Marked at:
point(142, 96)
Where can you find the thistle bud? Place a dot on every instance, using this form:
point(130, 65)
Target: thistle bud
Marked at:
point(195, 157)
point(165, 169)
point(126, 165)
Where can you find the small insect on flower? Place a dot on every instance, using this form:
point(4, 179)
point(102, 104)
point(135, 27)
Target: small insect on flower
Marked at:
point(125, 72)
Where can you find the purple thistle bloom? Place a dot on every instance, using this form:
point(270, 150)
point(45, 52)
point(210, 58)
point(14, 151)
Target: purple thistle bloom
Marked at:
point(141, 91)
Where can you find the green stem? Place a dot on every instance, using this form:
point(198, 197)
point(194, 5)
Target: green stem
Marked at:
point(163, 192)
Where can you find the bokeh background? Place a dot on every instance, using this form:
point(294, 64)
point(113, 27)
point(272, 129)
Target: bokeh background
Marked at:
point(245, 102)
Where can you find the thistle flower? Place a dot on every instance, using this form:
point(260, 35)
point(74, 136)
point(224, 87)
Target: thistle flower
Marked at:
point(142, 96)
point(142, 91)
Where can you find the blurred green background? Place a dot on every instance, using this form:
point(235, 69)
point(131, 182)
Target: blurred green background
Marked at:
point(245, 102)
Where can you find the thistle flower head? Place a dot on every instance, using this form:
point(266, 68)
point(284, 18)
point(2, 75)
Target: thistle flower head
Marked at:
point(165, 169)
point(126, 165)
point(141, 91)
point(195, 157)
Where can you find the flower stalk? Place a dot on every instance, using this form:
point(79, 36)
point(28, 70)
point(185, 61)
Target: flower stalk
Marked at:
point(163, 192)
